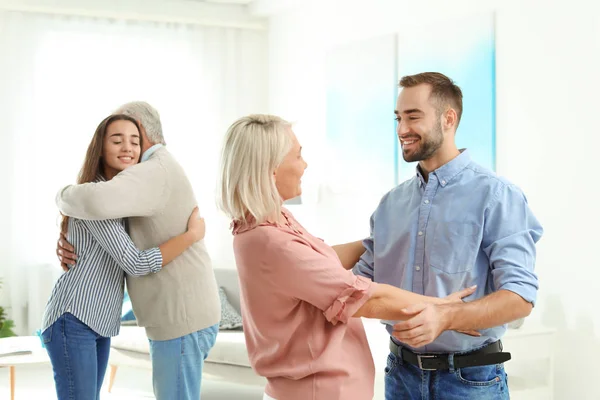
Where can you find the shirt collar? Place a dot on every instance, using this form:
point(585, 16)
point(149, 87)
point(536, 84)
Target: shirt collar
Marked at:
point(420, 177)
point(238, 226)
point(150, 151)
point(448, 171)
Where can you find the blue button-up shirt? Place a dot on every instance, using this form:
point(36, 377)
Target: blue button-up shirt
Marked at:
point(464, 226)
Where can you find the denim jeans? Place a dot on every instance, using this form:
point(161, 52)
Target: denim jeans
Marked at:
point(177, 364)
point(407, 382)
point(79, 357)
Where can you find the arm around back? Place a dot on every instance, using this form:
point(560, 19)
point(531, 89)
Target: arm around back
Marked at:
point(138, 191)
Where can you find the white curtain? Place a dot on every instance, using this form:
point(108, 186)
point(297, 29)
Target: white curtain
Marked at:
point(60, 76)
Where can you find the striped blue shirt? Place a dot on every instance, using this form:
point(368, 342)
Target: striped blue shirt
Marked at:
point(463, 226)
point(92, 289)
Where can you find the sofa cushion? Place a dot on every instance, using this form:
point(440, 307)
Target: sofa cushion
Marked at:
point(230, 318)
point(228, 279)
point(230, 347)
point(127, 315)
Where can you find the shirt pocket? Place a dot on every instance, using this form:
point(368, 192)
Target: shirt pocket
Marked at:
point(454, 246)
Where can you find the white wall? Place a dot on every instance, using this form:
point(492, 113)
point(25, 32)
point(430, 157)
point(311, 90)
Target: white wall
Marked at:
point(548, 58)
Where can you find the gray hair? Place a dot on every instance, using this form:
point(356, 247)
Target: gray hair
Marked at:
point(147, 116)
point(254, 148)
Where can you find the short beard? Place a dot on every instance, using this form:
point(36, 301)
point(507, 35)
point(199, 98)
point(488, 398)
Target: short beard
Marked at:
point(427, 146)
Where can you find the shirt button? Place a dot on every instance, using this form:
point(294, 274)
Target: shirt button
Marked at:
point(426, 201)
point(418, 268)
point(443, 182)
point(420, 233)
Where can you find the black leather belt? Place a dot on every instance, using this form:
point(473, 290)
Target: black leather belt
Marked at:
point(488, 355)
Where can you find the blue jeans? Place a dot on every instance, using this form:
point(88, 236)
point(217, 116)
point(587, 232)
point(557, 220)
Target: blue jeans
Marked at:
point(177, 364)
point(79, 358)
point(407, 382)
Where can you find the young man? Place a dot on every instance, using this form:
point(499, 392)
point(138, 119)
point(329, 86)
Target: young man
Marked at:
point(453, 225)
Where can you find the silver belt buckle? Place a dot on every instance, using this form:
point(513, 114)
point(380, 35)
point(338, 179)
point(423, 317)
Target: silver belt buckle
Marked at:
point(420, 362)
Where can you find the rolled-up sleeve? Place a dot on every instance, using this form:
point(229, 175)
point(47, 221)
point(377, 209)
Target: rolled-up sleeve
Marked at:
point(304, 273)
point(350, 301)
point(510, 235)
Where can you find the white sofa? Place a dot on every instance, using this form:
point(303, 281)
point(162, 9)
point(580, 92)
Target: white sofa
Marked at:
point(228, 359)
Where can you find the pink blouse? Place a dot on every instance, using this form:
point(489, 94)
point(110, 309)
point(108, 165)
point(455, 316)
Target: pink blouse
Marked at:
point(297, 306)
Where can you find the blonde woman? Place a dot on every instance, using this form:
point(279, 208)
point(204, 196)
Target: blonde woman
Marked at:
point(300, 303)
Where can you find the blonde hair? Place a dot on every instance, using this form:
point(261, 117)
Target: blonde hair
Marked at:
point(254, 148)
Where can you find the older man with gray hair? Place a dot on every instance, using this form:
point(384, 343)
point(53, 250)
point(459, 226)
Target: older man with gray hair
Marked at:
point(179, 306)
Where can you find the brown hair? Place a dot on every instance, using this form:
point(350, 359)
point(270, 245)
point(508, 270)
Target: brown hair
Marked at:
point(93, 164)
point(443, 90)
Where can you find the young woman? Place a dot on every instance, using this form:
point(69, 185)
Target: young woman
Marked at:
point(84, 309)
point(300, 302)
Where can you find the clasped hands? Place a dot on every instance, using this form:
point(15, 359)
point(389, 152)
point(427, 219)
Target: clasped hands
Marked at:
point(427, 321)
